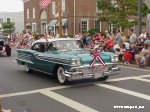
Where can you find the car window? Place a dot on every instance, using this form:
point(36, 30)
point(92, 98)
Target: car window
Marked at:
point(35, 47)
point(68, 45)
point(39, 47)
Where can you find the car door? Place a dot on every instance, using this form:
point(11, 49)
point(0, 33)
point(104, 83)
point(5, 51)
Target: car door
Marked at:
point(41, 61)
point(36, 50)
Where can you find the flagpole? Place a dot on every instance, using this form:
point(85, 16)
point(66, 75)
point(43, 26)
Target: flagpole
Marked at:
point(60, 18)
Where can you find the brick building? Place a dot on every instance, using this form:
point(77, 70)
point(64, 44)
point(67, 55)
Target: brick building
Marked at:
point(77, 16)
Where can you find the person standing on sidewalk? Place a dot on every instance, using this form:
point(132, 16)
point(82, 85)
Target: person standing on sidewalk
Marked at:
point(133, 38)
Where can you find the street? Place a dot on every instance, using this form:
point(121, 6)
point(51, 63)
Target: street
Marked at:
point(38, 92)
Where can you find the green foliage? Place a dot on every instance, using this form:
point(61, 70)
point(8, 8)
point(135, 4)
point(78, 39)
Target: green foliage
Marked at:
point(36, 36)
point(70, 36)
point(123, 13)
point(92, 31)
point(8, 27)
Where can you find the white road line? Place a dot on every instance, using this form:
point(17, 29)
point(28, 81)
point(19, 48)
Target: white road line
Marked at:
point(141, 79)
point(33, 91)
point(143, 76)
point(121, 90)
point(6, 110)
point(120, 79)
point(14, 61)
point(133, 68)
point(127, 78)
point(63, 87)
point(73, 104)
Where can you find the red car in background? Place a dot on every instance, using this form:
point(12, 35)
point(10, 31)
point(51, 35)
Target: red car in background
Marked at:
point(4, 46)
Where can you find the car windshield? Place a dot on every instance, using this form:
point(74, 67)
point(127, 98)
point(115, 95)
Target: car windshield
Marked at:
point(63, 45)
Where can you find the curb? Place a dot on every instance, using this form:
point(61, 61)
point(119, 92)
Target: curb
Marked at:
point(133, 65)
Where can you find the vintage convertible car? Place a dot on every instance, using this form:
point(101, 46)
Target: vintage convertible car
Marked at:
point(4, 47)
point(67, 59)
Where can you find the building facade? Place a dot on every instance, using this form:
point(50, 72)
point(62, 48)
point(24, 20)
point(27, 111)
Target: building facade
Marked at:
point(16, 17)
point(78, 16)
point(148, 17)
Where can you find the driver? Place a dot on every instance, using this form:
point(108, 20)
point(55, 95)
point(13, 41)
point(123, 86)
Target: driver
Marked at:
point(51, 47)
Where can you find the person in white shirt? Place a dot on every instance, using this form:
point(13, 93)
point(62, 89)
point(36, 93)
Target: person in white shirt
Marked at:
point(127, 45)
point(133, 37)
point(116, 46)
point(142, 35)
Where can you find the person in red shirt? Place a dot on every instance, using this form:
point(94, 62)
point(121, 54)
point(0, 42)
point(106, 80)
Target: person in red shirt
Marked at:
point(109, 44)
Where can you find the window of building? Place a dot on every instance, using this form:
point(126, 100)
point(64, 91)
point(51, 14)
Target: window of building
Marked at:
point(8, 19)
point(84, 26)
point(33, 12)
point(1, 20)
point(97, 25)
point(53, 8)
point(97, 9)
point(112, 27)
point(63, 5)
point(64, 30)
point(27, 13)
point(34, 27)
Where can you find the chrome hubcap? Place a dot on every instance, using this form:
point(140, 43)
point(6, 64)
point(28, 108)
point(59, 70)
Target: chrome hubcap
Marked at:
point(26, 67)
point(60, 75)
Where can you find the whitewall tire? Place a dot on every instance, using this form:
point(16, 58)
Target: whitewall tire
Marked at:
point(60, 75)
point(27, 69)
point(103, 78)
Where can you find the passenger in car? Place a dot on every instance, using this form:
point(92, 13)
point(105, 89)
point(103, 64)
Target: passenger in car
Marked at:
point(51, 47)
point(42, 48)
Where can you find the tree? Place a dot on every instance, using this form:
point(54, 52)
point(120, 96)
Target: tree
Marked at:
point(8, 27)
point(123, 13)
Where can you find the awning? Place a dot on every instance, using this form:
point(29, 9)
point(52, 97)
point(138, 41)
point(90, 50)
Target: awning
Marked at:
point(53, 23)
point(64, 22)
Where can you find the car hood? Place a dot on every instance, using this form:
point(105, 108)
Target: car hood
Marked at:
point(83, 55)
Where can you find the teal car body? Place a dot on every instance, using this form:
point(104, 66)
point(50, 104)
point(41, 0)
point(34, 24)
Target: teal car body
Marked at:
point(69, 61)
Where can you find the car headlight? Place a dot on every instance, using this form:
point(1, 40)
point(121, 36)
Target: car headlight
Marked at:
point(114, 59)
point(76, 62)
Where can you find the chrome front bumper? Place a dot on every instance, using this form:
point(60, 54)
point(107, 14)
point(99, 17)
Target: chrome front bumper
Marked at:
point(83, 72)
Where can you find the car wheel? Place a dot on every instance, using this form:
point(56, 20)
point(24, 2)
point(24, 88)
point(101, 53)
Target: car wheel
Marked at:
point(103, 78)
point(27, 69)
point(60, 75)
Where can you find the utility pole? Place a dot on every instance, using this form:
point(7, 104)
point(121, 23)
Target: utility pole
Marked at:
point(74, 17)
point(139, 16)
point(60, 18)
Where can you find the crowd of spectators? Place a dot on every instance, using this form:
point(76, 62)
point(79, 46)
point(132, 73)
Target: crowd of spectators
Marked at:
point(25, 40)
point(133, 48)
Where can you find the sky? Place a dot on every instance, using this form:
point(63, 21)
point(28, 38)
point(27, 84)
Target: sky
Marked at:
point(11, 5)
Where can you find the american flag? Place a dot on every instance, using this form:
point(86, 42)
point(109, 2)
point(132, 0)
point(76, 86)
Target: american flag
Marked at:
point(45, 3)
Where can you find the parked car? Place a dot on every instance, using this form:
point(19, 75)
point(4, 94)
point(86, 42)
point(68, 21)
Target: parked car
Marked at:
point(67, 59)
point(4, 46)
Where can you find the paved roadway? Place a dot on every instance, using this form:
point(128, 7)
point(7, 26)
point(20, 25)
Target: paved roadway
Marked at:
point(37, 92)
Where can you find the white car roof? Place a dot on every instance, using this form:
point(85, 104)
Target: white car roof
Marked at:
point(53, 39)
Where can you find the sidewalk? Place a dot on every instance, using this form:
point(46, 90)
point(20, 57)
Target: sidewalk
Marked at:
point(133, 65)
